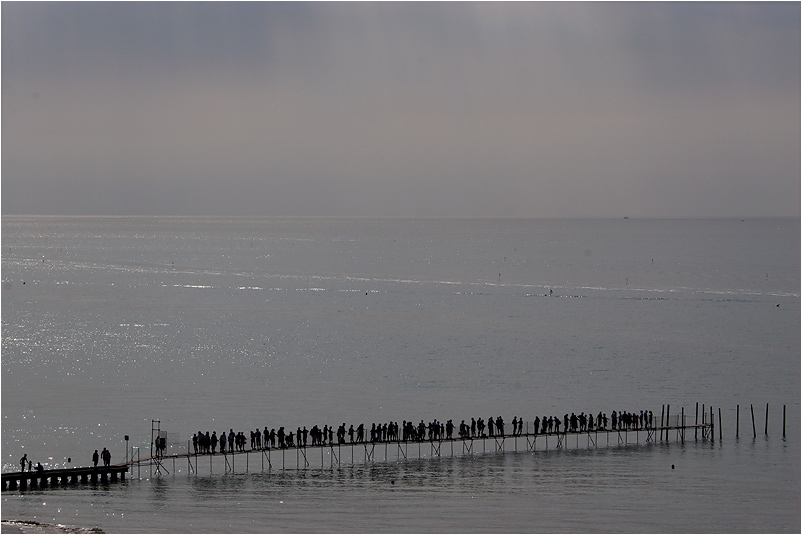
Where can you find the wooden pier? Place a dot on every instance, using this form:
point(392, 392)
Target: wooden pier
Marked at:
point(40, 479)
point(336, 455)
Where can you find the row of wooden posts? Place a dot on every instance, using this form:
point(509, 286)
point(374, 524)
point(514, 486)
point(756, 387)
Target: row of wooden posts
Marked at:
point(667, 409)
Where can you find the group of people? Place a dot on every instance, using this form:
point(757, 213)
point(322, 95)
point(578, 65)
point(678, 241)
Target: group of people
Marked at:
point(105, 455)
point(206, 442)
point(25, 463)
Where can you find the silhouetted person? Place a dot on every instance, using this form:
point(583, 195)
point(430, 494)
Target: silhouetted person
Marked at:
point(24, 461)
point(95, 458)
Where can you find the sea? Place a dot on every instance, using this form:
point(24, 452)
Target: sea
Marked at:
point(113, 327)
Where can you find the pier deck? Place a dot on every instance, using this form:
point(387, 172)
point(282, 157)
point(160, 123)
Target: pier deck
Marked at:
point(350, 453)
point(51, 478)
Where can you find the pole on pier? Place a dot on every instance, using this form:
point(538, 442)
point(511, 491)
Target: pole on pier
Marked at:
point(668, 418)
point(682, 424)
point(719, 423)
point(754, 433)
point(696, 423)
point(783, 420)
point(737, 420)
point(662, 423)
point(767, 419)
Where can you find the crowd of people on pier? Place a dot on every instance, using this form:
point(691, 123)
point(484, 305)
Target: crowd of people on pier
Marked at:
point(435, 430)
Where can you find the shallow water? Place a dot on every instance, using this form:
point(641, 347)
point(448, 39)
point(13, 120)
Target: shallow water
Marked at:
point(211, 324)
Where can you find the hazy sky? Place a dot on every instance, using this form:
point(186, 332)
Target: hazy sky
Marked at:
point(410, 109)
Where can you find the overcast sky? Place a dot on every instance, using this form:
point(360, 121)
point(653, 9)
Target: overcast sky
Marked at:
point(411, 109)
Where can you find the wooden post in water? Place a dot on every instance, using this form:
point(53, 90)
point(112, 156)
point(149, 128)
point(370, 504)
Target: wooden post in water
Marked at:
point(682, 425)
point(737, 420)
point(696, 423)
point(719, 423)
point(754, 433)
point(712, 425)
point(662, 424)
point(783, 420)
point(767, 420)
point(668, 418)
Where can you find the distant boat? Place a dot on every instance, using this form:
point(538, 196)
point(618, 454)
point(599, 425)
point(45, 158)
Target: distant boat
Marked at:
point(626, 217)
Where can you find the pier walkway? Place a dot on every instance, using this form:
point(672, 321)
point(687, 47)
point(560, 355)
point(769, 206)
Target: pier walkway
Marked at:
point(39, 479)
point(335, 455)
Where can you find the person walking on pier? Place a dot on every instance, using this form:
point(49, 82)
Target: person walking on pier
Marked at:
point(95, 458)
point(24, 461)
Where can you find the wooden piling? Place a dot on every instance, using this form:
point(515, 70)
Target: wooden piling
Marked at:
point(766, 432)
point(719, 423)
point(668, 419)
point(754, 432)
point(682, 426)
point(696, 429)
point(737, 420)
point(712, 425)
point(662, 423)
point(783, 420)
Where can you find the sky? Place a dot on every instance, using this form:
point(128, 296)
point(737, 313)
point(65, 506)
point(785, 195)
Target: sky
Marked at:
point(401, 109)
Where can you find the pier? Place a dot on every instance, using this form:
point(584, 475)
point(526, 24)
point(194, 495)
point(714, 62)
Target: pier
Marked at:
point(343, 454)
point(40, 479)
point(329, 453)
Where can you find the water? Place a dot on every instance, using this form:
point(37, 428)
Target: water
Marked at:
point(212, 324)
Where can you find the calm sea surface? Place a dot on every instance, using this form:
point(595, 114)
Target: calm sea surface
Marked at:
point(217, 324)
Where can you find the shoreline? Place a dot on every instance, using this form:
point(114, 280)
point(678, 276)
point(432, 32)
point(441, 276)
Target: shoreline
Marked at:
point(32, 526)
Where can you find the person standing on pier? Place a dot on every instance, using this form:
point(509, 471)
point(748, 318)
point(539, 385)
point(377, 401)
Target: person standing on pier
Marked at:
point(24, 461)
point(95, 458)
